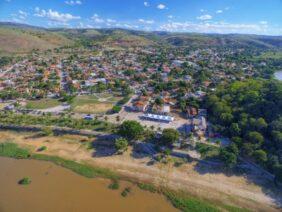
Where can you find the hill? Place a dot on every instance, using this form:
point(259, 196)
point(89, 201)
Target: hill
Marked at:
point(20, 39)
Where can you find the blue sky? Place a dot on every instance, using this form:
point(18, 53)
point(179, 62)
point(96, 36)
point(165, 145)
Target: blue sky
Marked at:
point(205, 16)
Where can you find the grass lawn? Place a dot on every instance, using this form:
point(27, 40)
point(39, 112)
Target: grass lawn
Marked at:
point(94, 104)
point(2, 105)
point(42, 104)
point(207, 151)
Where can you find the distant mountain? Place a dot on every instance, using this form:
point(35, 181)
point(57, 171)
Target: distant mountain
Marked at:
point(21, 38)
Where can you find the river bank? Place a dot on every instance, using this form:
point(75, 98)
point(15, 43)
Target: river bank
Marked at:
point(53, 188)
point(228, 190)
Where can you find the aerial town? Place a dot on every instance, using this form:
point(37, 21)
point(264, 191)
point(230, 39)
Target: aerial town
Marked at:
point(180, 111)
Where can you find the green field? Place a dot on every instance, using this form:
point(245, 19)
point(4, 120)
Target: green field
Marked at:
point(42, 104)
point(101, 103)
point(271, 55)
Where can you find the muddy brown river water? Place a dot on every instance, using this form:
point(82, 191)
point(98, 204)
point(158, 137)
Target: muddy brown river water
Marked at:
point(57, 189)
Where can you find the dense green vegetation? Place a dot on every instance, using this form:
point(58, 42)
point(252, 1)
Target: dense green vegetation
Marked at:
point(250, 113)
point(13, 151)
point(207, 151)
point(185, 203)
point(147, 187)
point(46, 120)
point(25, 181)
point(121, 145)
point(131, 130)
point(169, 136)
point(114, 185)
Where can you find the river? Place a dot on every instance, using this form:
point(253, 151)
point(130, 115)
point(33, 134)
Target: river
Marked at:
point(57, 189)
point(278, 75)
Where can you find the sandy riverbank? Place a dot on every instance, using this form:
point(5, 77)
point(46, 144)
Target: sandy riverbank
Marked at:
point(200, 180)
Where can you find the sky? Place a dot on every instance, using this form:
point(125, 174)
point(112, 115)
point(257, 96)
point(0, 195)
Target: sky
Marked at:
point(203, 16)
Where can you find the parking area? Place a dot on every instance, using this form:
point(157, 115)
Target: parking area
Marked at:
point(179, 123)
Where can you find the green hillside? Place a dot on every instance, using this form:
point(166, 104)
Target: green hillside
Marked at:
point(23, 40)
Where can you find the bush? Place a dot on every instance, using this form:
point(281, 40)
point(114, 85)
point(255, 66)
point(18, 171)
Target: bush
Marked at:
point(121, 144)
point(147, 187)
point(114, 185)
point(41, 149)
point(186, 203)
point(125, 192)
point(116, 109)
point(24, 181)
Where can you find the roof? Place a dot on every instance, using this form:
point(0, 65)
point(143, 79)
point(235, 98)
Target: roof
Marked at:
point(159, 117)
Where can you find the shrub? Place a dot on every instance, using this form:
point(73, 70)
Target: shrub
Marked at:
point(116, 109)
point(41, 149)
point(24, 181)
point(125, 192)
point(121, 144)
point(147, 187)
point(114, 185)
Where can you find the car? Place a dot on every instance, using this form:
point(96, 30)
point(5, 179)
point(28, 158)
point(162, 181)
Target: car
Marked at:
point(88, 117)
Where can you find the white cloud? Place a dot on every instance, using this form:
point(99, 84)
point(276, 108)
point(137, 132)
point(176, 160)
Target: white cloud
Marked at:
point(111, 20)
point(161, 6)
point(219, 11)
point(204, 17)
point(20, 16)
point(202, 10)
point(55, 16)
point(170, 16)
point(78, 2)
point(217, 27)
point(146, 4)
point(263, 22)
point(146, 21)
point(97, 19)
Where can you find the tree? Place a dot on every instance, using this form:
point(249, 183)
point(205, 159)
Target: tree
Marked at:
point(159, 101)
point(233, 148)
point(235, 129)
point(116, 109)
point(131, 130)
point(229, 158)
point(260, 156)
point(121, 145)
point(255, 138)
point(169, 136)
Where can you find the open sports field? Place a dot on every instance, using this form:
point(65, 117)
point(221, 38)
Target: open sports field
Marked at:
point(42, 104)
point(100, 103)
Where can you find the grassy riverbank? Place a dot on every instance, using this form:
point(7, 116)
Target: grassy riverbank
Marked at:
point(180, 200)
point(8, 118)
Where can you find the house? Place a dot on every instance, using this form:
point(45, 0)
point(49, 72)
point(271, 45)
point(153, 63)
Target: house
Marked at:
point(199, 125)
point(160, 118)
point(140, 106)
point(165, 109)
point(192, 111)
